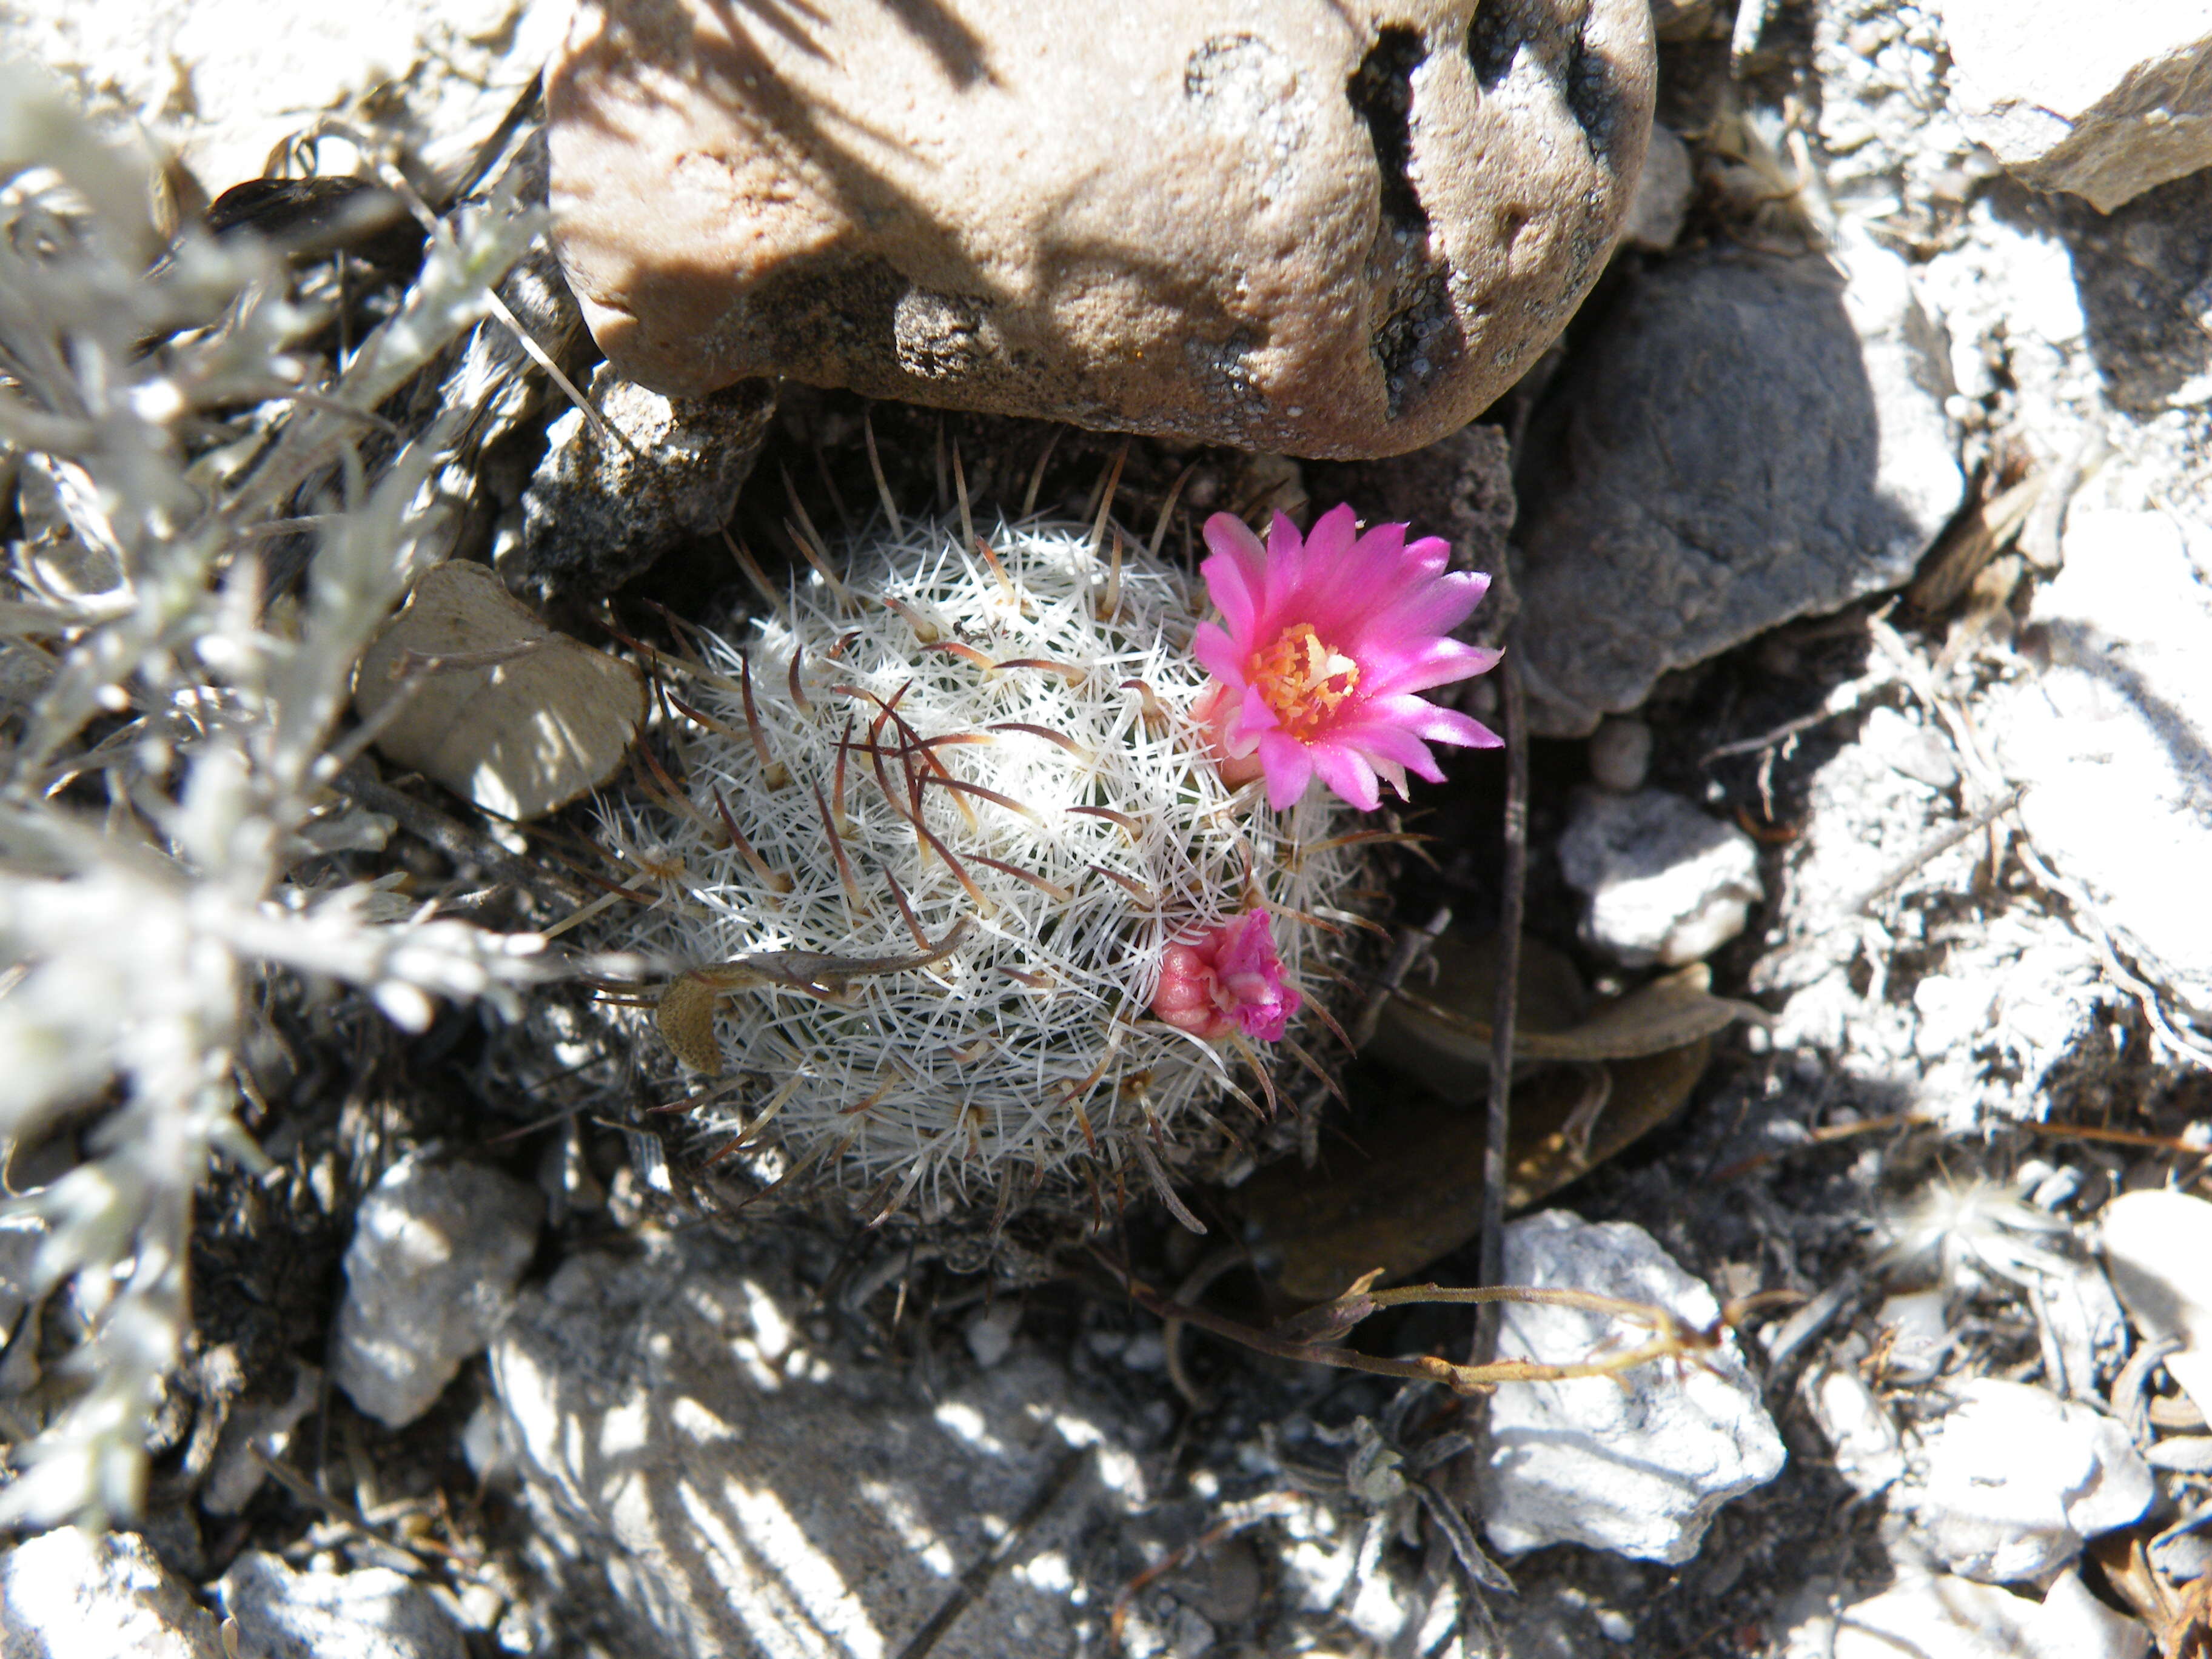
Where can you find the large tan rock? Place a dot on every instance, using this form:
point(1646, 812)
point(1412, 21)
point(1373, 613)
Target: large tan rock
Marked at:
point(1318, 226)
point(2102, 100)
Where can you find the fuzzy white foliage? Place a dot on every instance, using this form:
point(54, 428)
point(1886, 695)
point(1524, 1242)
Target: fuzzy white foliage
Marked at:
point(1030, 1048)
point(140, 669)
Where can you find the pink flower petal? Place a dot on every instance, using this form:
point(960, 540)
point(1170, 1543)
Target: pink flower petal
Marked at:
point(1237, 574)
point(1229, 979)
point(1290, 767)
point(1286, 568)
point(1344, 769)
point(1393, 745)
point(1420, 718)
point(1439, 662)
point(1439, 605)
point(1387, 604)
point(1218, 653)
point(1254, 716)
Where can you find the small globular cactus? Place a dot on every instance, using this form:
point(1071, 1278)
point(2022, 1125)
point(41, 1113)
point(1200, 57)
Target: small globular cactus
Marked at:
point(967, 893)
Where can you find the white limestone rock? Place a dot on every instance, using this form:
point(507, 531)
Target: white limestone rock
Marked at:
point(2082, 95)
point(370, 1614)
point(430, 1275)
point(2015, 1479)
point(1640, 1469)
point(69, 1594)
point(227, 81)
point(2157, 1248)
point(1667, 884)
point(2109, 733)
point(1959, 1619)
point(1861, 1435)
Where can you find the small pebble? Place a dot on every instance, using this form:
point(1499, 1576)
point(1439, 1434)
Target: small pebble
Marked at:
point(1145, 1352)
point(1921, 1335)
point(1667, 883)
point(990, 1334)
point(2188, 1454)
point(1869, 1453)
point(2183, 1556)
point(2056, 1189)
point(1621, 755)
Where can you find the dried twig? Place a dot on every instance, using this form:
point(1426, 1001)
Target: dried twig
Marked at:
point(1932, 848)
point(973, 1583)
point(1312, 1337)
point(1515, 879)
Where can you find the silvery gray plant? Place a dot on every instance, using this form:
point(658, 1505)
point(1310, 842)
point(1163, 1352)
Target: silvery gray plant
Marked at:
point(169, 718)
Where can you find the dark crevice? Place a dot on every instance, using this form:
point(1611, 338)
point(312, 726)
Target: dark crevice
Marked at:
point(1591, 95)
point(1494, 39)
point(1504, 29)
point(1381, 91)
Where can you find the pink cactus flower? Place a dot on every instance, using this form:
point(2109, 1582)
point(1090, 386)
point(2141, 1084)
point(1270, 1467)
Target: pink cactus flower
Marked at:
point(1230, 980)
point(1324, 642)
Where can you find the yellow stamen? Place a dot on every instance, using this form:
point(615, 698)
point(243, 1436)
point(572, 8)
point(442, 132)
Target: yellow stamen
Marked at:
point(1303, 679)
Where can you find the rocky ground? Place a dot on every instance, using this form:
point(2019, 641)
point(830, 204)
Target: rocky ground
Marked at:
point(1859, 537)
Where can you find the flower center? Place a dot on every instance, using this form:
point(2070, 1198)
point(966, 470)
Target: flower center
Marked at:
point(1303, 679)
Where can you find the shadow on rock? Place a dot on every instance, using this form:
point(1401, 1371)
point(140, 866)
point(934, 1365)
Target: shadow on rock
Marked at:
point(732, 1488)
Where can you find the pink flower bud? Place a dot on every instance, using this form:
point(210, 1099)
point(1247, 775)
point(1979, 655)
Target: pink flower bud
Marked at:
point(1230, 980)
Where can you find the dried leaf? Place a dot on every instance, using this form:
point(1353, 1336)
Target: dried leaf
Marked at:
point(685, 1015)
point(1441, 1034)
point(1334, 1319)
point(685, 1012)
point(1408, 1188)
point(498, 708)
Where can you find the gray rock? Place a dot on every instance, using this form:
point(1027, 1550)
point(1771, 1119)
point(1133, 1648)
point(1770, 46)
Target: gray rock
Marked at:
point(370, 1614)
point(2110, 734)
point(730, 1486)
point(1744, 440)
point(69, 1594)
point(430, 1273)
point(20, 1238)
point(1313, 226)
point(1621, 755)
point(2104, 101)
point(1667, 884)
point(597, 512)
point(1639, 1466)
point(256, 1425)
point(1662, 195)
point(2015, 1479)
